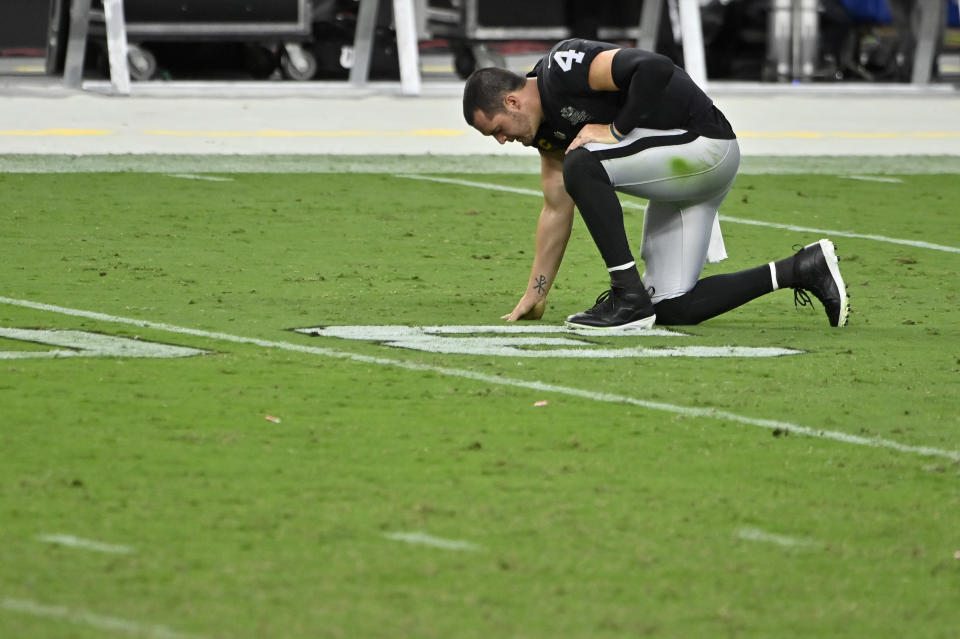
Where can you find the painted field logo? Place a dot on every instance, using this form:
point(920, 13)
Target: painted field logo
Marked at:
point(87, 344)
point(512, 340)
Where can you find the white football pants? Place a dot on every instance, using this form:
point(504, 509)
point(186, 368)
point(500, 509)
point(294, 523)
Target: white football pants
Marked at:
point(685, 182)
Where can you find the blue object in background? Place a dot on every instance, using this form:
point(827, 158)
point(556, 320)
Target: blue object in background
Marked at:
point(873, 11)
point(876, 11)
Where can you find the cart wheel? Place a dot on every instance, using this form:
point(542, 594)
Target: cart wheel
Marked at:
point(260, 61)
point(487, 57)
point(142, 63)
point(298, 63)
point(464, 63)
point(468, 59)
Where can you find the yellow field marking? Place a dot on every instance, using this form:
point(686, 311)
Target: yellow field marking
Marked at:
point(780, 134)
point(61, 132)
point(870, 136)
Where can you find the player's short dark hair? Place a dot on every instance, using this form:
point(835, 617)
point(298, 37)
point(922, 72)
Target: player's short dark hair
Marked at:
point(485, 90)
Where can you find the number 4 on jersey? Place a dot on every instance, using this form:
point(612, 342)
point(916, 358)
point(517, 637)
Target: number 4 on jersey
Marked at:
point(566, 58)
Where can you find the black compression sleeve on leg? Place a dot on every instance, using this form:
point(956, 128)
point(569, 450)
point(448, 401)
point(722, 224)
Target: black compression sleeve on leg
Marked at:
point(643, 76)
point(589, 185)
point(714, 296)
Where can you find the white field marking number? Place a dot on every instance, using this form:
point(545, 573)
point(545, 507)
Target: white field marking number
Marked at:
point(531, 341)
point(86, 344)
point(566, 58)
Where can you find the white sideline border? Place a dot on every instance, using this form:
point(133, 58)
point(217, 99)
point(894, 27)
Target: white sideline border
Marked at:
point(686, 411)
point(723, 218)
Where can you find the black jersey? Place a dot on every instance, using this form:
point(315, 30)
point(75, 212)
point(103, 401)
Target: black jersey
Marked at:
point(568, 102)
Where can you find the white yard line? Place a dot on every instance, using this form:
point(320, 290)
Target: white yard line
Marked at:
point(487, 185)
point(540, 387)
point(833, 233)
point(85, 544)
point(423, 539)
point(723, 218)
point(205, 178)
point(87, 618)
point(871, 178)
point(755, 534)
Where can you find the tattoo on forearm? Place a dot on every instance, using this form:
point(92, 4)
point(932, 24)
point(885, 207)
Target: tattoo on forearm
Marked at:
point(540, 283)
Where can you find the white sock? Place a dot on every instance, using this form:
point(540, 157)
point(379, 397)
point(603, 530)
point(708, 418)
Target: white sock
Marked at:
point(622, 267)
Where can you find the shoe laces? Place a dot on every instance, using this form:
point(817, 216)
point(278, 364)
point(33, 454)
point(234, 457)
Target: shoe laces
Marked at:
point(801, 298)
point(602, 298)
point(607, 294)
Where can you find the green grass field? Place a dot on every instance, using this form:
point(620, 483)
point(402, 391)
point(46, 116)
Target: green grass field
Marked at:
point(284, 485)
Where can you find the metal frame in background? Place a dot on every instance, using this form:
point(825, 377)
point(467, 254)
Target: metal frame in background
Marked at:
point(461, 23)
point(933, 13)
point(405, 17)
point(225, 30)
point(645, 33)
point(798, 32)
point(408, 50)
point(118, 49)
point(81, 14)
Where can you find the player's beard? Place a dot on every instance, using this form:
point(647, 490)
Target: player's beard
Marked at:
point(522, 121)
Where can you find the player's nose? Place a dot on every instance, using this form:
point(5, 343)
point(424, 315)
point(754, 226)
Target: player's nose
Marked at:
point(501, 138)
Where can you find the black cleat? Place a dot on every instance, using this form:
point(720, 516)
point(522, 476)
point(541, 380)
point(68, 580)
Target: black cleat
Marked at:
point(617, 309)
point(815, 269)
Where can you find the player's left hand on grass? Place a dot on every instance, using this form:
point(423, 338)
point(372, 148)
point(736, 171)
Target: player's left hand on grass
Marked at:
point(526, 309)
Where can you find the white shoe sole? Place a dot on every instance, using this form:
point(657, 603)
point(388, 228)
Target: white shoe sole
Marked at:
point(640, 324)
point(830, 254)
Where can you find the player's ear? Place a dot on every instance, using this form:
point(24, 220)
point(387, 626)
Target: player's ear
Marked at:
point(511, 102)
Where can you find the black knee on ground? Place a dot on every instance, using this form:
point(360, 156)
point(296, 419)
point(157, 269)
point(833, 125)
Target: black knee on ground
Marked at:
point(582, 172)
point(714, 296)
